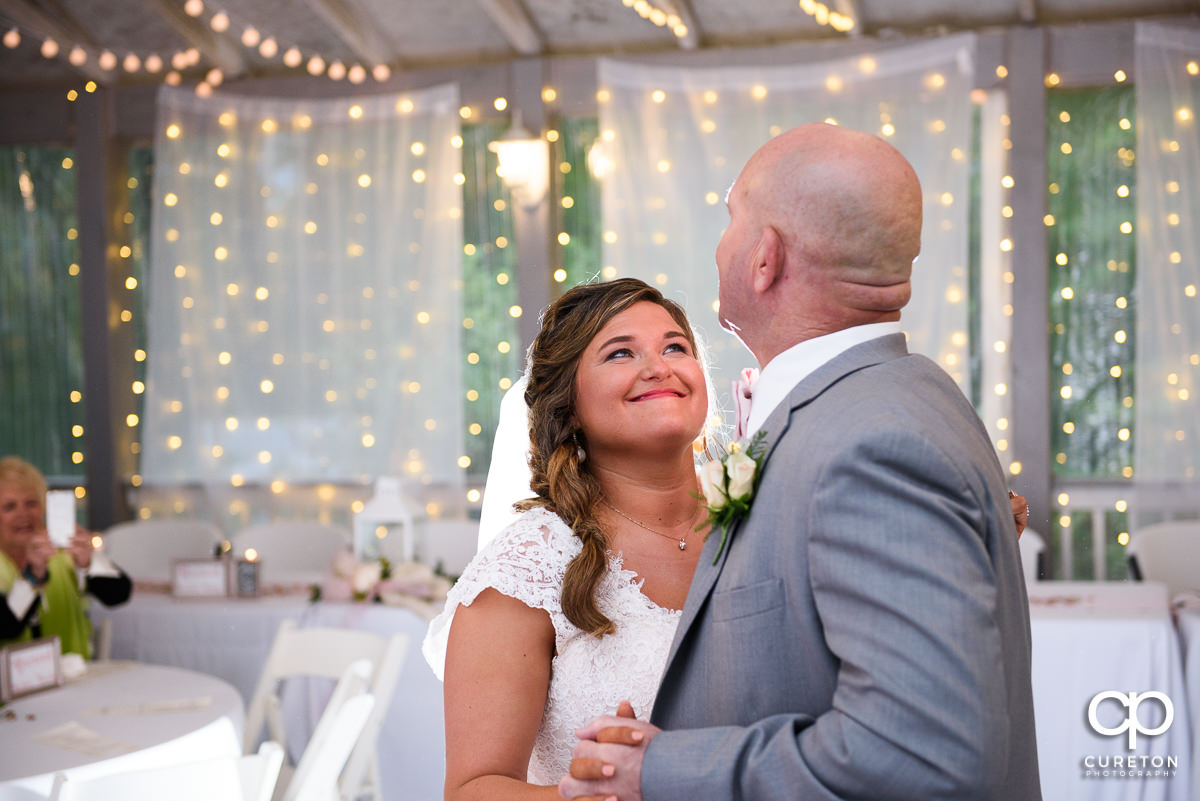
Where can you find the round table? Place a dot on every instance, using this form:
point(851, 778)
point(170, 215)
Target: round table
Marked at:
point(119, 716)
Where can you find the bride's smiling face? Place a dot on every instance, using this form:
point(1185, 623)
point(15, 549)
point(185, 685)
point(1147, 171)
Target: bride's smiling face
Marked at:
point(639, 385)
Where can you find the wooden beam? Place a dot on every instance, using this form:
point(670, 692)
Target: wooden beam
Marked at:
point(351, 21)
point(683, 10)
point(61, 28)
point(221, 50)
point(513, 20)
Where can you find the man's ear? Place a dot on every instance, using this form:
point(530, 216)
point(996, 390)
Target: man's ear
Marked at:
point(767, 259)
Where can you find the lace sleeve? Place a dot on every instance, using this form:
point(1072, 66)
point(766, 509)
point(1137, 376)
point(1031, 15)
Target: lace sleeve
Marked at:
point(526, 561)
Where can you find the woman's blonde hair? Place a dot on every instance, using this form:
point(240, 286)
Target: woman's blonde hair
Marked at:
point(15, 471)
point(560, 480)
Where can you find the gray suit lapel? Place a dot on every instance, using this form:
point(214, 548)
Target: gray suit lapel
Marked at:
point(860, 356)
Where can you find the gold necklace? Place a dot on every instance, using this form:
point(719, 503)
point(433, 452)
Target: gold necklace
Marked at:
point(681, 540)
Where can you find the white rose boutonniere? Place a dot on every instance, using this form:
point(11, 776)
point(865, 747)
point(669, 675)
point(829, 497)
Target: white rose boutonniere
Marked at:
point(712, 484)
point(728, 484)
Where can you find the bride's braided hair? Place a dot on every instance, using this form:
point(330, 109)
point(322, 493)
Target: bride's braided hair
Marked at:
point(560, 480)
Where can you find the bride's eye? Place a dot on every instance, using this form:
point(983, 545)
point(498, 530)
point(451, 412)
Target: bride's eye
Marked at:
point(677, 347)
point(623, 352)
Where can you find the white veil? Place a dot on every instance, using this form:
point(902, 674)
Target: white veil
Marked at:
point(508, 475)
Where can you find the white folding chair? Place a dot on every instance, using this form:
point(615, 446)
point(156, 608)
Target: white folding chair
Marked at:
point(1168, 553)
point(250, 778)
point(338, 732)
point(145, 549)
point(1032, 546)
point(328, 653)
point(292, 551)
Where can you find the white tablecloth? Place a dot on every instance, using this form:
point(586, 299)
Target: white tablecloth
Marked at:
point(161, 715)
point(1188, 623)
point(230, 639)
point(1091, 637)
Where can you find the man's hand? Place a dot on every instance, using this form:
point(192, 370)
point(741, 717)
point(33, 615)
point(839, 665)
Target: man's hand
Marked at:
point(38, 553)
point(608, 759)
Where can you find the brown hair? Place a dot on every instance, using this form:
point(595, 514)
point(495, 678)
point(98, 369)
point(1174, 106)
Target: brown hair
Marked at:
point(561, 481)
point(16, 472)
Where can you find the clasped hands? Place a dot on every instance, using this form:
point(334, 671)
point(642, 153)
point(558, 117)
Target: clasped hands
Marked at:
point(607, 764)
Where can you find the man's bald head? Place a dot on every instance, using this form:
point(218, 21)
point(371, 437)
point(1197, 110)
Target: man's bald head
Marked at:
point(847, 208)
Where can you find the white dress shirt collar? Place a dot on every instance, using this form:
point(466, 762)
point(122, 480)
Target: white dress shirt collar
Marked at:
point(796, 363)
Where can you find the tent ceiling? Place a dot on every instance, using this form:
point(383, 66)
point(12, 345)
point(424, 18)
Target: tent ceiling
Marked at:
point(411, 34)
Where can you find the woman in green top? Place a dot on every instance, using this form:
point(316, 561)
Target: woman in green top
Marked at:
point(42, 588)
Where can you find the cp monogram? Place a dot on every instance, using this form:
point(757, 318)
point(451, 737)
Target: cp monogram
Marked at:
point(1132, 723)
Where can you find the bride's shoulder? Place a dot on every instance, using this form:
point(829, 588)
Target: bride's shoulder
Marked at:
point(536, 531)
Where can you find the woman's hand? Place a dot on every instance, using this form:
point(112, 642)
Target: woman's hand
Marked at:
point(1020, 510)
point(38, 552)
point(81, 547)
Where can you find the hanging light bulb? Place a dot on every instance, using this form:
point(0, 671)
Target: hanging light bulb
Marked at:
point(107, 60)
point(268, 48)
point(337, 71)
point(316, 65)
point(173, 78)
point(204, 89)
point(49, 48)
point(292, 57)
point(250, 37)
point(131, 63)
point(153, 63)
point(12, 38)
point(77, 56)
point(219, 22)
point(357, 74)
point(179, 60)
point(381, 73)
point(193, 56)
point(193, 8)
point(214, 77)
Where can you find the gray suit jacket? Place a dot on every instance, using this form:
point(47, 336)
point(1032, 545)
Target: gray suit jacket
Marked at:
point(865, 633)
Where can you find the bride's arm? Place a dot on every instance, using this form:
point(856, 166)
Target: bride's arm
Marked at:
point(497, 677)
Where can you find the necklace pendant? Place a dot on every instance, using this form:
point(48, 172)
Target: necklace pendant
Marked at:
point(682, 545)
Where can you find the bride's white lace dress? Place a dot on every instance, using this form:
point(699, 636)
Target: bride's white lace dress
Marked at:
point(589, 675)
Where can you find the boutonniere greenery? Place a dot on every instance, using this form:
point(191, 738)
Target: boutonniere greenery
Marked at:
point(728, 484)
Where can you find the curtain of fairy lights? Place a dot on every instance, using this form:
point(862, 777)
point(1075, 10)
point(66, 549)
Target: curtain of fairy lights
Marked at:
point(305, 291)
point(672, 139)
point(1167, 410)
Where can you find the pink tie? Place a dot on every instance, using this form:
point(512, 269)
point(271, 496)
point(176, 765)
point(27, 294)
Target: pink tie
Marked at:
point(743, 389)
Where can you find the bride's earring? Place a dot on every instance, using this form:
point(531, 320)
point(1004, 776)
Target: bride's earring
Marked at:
point(580, 453)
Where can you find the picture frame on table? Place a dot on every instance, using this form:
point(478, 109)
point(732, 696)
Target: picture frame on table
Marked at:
point(30, 667)
point(200, 578)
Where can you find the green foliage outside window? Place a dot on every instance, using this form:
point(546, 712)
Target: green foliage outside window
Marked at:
point(491, 344)
point(1092, 208)
point(41, 350)
point(578, 205)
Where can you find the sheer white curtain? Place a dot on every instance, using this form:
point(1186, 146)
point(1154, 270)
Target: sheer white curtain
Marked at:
point(1167, 410)
point(305, 291)
point(674, 138)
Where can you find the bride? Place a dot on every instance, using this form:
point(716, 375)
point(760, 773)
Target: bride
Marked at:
point(572, 608)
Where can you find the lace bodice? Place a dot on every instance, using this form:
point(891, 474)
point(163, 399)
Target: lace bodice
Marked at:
point(589, 675)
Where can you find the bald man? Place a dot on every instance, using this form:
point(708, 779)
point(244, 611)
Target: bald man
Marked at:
point(865, 632)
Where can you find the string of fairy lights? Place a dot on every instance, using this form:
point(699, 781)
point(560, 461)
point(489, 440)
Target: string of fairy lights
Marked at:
point(171, 65)
point(599, 162)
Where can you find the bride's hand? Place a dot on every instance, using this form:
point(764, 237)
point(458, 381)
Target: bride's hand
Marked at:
point(1020, 510)
point(587, 769)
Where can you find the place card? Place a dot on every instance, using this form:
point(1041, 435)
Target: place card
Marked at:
point(74, 736)
point(200, 578)
point(29, 667)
